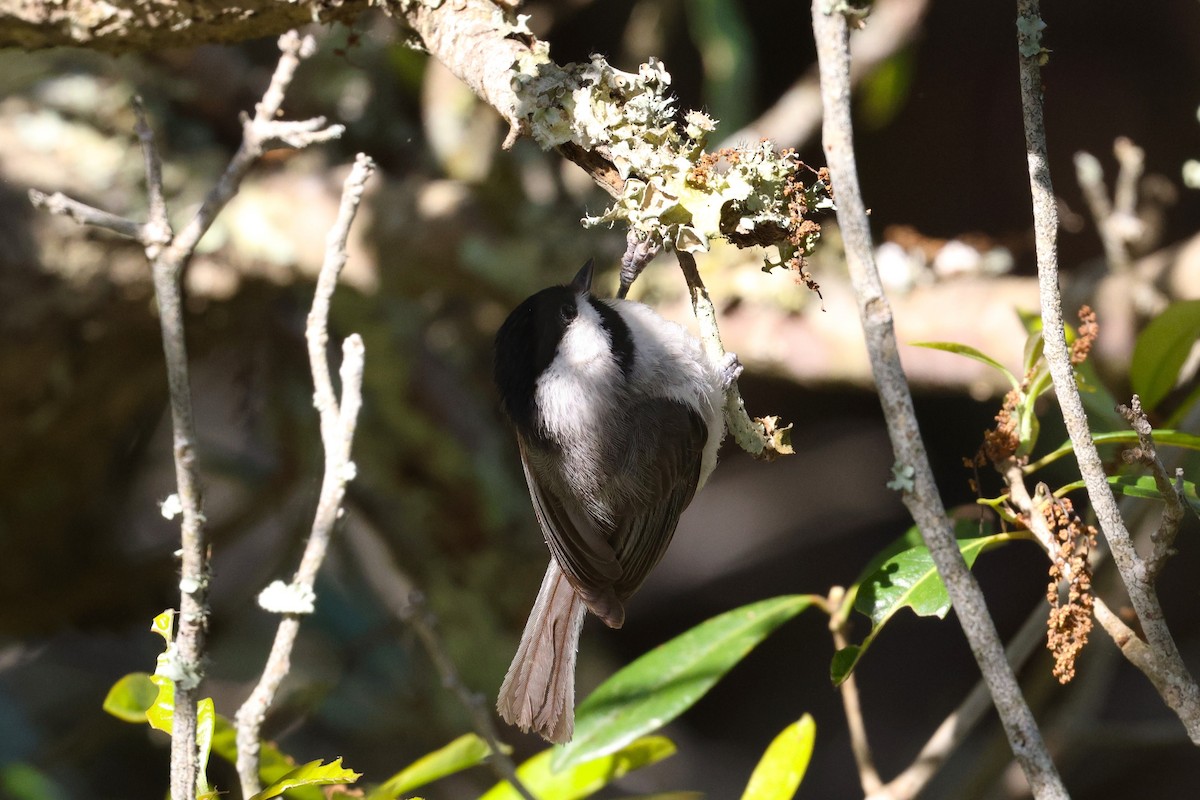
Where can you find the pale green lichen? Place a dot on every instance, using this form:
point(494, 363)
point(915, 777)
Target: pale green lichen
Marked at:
point(675, 193)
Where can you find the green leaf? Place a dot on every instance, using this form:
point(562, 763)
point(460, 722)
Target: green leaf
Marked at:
point(971, 352)
point(206, 716)
point(1161, 349)
point(1035, 345)
point(665, 682)
point(582, 779)
point(272, 764)
point(908, 579)
point(163, 624)
point(161, 713)
point(314, 773)
point(130, 697)
point(1142, 486)
point(782, 767)
point(1189, 441)
point(963, 529)
point(463, 753)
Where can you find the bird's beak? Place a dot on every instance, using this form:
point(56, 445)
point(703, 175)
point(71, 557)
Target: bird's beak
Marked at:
point(582, 282)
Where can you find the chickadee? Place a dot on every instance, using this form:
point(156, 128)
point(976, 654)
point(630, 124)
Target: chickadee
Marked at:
point(618, 414)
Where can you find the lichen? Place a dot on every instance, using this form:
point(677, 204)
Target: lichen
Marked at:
point(675, 192)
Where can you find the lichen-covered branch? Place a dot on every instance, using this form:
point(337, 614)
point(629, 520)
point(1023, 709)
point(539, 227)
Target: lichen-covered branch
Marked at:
point(1183, 695)
point(151, 25)
point(338, 421)
point(922, 499)
point(762, 438)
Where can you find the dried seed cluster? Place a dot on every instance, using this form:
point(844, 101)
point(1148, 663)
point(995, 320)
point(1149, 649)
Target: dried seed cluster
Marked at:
point(1070, 619)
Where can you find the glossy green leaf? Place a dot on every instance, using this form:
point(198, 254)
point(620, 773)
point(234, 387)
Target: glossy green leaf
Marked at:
point(164, 624)
point(1142, 486)
point(464, 752)
point(130, 696)
point(908, 579)
point(665, 682)
point(206, 716)
point(1161, 349)
point(782, 767)
point(1189, 441)
point(314, 773)
point(582, 779)
point(162, 711)
point(963, 529)
point(272, 764)
point(971, 352)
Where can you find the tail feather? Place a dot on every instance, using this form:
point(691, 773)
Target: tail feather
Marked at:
point(538, 693)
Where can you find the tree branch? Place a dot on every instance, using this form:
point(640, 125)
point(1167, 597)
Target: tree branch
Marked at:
point(1182, 695)
point(121, 26)
point(922, 499)
point(338, 421)
point(868, 775)
point(958, 725)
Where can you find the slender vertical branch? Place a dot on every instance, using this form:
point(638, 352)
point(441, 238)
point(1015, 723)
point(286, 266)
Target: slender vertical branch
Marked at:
point(921, 498)
point(956, 727)
point(751, 435)
point(1183, 693)
point(868, 775)
point(338, 421)
point(192, 623)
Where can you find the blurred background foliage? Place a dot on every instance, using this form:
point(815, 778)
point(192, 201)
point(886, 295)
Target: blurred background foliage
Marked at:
point(454, 233)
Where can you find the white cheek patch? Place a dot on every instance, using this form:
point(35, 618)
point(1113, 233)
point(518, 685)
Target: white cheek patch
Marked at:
point(575, 391)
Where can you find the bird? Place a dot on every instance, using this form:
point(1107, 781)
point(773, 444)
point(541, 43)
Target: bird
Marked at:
point(618, 414)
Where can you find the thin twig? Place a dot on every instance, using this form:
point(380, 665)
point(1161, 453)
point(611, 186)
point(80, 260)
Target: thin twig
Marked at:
point(921, 496)
point(338, 421)
point(257, 133)
point(59, 203)
point(868, 775)
point(1090, 176)
point(796, 116)
point(392, 585)
point(749, 434)
point(1174, 510)
point(1183, 695)
point(959, 724)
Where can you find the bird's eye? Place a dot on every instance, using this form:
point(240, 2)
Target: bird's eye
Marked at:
point(567, 312)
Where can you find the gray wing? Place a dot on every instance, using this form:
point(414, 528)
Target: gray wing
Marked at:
point(579, 543)
point(606, 563)
point(663, 467)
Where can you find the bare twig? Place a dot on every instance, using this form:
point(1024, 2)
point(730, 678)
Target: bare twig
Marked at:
point(868, 776)
point(1183, 695)
point(1116, 221)
point(169, 255)
point(1145, 453)
point(921, 496)
point(394, 587)
point(750, 435)
point(59, 203)
point(338, 421)
point(956, 727)
point(257, 133)
point(796, 116)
